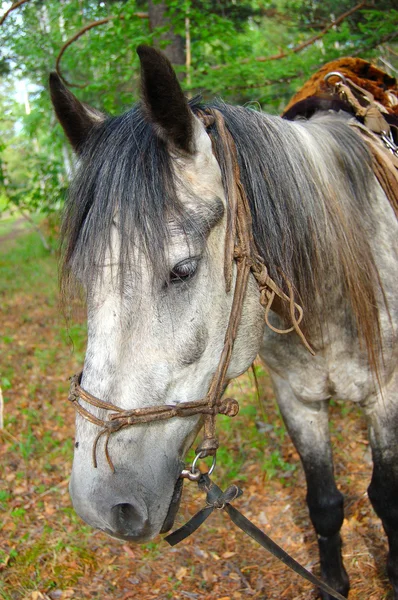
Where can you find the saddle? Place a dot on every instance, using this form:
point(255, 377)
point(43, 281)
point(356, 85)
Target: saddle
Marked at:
point(371, 96)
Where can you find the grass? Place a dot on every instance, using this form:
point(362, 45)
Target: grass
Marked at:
point(25, 265)
point(12, 224)
point(27, 269)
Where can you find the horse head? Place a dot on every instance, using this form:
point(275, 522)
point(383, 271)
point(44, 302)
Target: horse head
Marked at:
point(144, 234)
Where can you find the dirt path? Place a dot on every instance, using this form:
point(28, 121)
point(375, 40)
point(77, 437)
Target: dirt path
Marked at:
point(18, 227)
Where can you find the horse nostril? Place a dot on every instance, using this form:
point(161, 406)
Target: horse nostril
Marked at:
point(128, 519)
point(126, 513)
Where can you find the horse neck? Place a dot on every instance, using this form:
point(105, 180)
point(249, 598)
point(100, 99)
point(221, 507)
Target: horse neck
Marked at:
point(310, 186)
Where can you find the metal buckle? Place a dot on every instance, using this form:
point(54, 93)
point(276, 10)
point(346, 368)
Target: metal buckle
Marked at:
point(193, 474)
point(195, 460)
point(388, 141)
point(335, 74)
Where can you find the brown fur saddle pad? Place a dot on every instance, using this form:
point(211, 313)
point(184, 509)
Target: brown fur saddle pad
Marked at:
point(371, 96)
point(362, 73)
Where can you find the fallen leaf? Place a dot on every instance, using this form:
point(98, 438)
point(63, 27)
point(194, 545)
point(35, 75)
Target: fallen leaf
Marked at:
point(128, 551)
point(262, 518)
point(209, 576)
point(181, 573)
point(49, 509)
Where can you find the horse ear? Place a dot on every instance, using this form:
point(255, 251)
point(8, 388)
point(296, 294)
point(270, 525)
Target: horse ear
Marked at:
point(76, 118)
point(164, 100)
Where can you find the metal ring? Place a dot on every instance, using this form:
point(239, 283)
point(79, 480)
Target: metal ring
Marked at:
point(195, 460)
point(389, 142)
point(335, 74)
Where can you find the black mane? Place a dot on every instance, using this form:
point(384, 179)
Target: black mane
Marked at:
point(124, 174)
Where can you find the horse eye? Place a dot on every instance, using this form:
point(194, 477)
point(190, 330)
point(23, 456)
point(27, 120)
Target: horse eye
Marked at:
point(184, 270)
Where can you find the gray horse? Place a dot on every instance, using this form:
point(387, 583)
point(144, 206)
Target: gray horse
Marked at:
point(144, 233)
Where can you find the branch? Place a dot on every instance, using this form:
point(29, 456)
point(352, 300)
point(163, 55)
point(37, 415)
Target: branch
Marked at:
point(303, 45)
point(29, 219)
point(386, 38)
point(82, 31)
point(390, 50)
point(294, 50)
point(13, 7)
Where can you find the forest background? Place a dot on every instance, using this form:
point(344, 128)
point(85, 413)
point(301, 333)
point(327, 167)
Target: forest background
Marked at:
point(248, 51)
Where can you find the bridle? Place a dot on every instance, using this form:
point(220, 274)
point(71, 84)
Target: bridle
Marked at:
point(241, 249)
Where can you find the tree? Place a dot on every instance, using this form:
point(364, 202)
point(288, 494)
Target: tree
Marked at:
point(159, 25)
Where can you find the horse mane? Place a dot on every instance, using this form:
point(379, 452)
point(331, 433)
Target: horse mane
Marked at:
point(309, 186)
point(125, 170)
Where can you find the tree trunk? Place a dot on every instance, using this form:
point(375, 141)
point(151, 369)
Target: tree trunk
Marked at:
point(175, 48)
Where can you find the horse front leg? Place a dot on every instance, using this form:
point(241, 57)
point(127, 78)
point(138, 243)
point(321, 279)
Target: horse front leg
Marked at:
point(307, 424)
point(382, 417)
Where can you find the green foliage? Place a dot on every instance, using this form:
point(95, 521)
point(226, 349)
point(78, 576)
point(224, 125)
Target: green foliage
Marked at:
point(227, 40)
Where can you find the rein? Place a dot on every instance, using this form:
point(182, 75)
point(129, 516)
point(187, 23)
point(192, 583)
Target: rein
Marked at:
point(216, 499)
point(239, 247)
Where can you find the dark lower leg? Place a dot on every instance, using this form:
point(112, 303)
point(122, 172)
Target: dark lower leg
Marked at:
point(309, 429)
point(325, 504)
point(382, 416)
point(383, 494)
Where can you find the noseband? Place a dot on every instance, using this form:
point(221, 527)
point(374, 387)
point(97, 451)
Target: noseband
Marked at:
point(241, 249)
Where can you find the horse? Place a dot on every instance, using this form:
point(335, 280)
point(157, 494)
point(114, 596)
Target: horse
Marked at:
point(144, 232)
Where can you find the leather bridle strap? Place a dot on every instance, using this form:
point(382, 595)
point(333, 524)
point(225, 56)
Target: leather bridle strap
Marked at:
point(239, 247)
point(217, 499)
point(239, 240)
point(121, 419)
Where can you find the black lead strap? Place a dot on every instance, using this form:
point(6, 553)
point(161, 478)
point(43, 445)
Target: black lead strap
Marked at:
point(217, 499)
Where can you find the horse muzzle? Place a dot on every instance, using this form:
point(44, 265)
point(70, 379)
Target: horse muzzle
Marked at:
point(122, 508)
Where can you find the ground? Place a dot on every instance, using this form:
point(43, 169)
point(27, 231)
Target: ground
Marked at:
point(47, 552)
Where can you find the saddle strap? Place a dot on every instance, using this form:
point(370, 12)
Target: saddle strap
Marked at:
point(217, 499)
point(384, 163)
point(376, 132)
point(363, 104)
